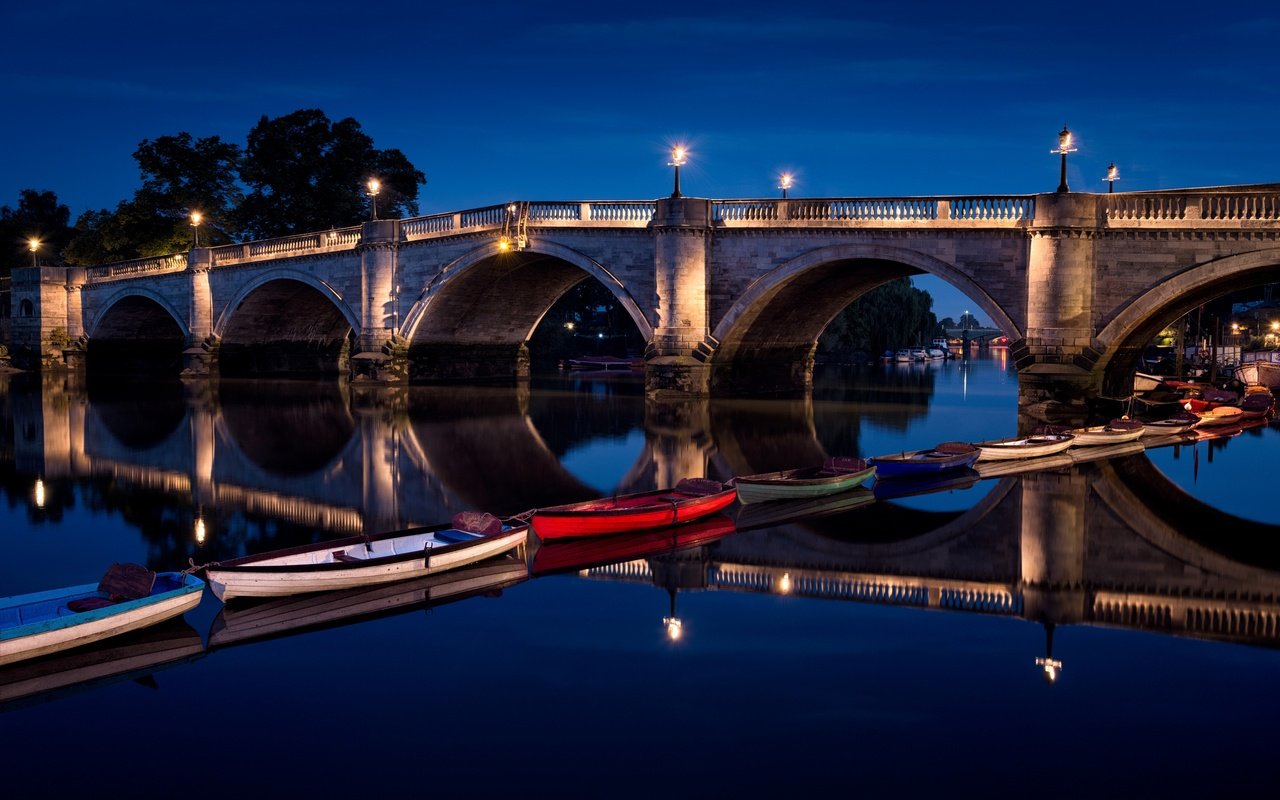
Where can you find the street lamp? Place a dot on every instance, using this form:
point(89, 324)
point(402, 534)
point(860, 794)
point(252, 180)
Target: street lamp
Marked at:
point(1113, 175)
point(374, 187)
point(785, 182)
point(196, 218)
point(679, 157)
point(1064, 147)
point(33, 245)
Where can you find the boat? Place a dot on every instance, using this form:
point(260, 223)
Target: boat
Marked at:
point(1177, 423)
point(1260, 367)
point(919, 354)
point(1256, 404)
point(279, 616)
point(573, 555)
point(1145, 382)
point(363, 560)
point(1221, 416)
point(132, 656)
point(128, 598)
point(785, 512)
point(691, 499)
point(1025, 447)
point(836, 475)
point(1114, 432)
point(936, 354)
point(942, 458)
point(902, 356)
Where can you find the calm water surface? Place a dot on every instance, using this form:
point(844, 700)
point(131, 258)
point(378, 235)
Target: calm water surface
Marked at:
point(891, 647)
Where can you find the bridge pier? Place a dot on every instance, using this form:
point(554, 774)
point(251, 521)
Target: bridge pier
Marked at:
point(199, 358)
point(676, 359)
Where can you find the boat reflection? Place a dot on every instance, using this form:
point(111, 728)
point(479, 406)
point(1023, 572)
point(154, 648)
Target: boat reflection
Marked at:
point(588, 553)
point(136, 656)
point(242, 622)
point(782, 512)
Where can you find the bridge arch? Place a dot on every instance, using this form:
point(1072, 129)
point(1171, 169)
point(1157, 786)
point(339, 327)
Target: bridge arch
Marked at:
point(480, 309)
point(136, 330)
point(1137, 321)
point(774, 325)
point(258, 336)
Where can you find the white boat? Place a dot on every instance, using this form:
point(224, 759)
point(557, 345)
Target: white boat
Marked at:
point(38, 624)
point(1221, 416)
point(361, 561)
point(1026, 447)
point(936, 355)
point(1260, 368)
point(1178, 423)
point(1145, 382)
point(903, 355)
point(919, 354)
point(1114, 432)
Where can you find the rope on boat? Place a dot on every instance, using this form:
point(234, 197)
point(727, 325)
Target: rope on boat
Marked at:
point(194, 568)
point(522, 517)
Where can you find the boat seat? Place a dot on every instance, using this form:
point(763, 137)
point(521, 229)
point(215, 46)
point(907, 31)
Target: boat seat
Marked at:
point(699, 486)
point(454, 536)
point(342, 555)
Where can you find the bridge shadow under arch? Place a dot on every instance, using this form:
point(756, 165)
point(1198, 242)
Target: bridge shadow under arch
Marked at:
point(137, 332)
point(768, 337)
point(139, 420)
point(476, 316)
point(1127, 332)
point(286, 428)
point(285, 323)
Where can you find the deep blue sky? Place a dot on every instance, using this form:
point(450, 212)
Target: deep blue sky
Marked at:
point(568, 100)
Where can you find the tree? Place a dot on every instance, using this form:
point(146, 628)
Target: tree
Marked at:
point(307, 173)
point(39, 216)
point(890, 316)
point(180, 175)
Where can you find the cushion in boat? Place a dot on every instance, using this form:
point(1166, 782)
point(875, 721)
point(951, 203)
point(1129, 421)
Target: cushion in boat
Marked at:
point(699, 486)
point(477, 522)
point(954, 448)
point(89, 603)
point(1124, 424)
point(127, 582)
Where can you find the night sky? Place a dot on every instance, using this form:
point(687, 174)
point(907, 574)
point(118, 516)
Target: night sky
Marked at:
point(561, 100)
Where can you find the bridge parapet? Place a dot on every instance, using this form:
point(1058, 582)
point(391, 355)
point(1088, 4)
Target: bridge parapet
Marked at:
point(138, 266)
point(1169, 209)
point(997, 211)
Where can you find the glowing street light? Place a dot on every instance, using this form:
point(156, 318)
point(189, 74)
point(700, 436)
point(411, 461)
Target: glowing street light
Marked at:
point(679, 157)
point(196, 219)
point(33, 245)
point(201, 533)
point(1113, 175)
point(674, 628)
point(39, 493)
point(374, 186)
point(784, 583)
point(1064, 147)
point(785, 182)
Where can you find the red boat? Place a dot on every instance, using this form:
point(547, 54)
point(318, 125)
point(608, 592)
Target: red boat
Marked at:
point(692, 498)
point(571, 556)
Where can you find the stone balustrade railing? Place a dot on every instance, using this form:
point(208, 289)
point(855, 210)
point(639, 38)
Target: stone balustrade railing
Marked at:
point(1221, 208)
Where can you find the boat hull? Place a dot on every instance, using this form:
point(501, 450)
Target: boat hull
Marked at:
point(627, 513)
point(312, 569)
point(1263, 373)
point(922, 463)
point(786, 486)
point(71, 629)
point(1030, 447)
point(1101, 435)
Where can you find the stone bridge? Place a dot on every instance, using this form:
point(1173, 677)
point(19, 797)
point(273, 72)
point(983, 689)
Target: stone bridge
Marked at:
point(730, 295)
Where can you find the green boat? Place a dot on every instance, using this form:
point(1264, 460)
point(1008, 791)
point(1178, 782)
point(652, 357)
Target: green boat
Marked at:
point(836, 475)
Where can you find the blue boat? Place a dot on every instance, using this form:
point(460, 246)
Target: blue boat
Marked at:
point(128, 598)
point(945, 457)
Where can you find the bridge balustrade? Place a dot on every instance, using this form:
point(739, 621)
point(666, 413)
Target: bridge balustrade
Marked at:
point(1240, 206)
point(137, 266)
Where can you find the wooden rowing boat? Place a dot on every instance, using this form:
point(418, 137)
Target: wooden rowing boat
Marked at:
point(128, 598)
point(1221, 417)
point(1114, 432)
point(691, 499)
point(1025, 447)
point(249, 621)
point(1255, 405)
point(834, 476)
point(361, 561)
point(1178, 423)
point(945, 457)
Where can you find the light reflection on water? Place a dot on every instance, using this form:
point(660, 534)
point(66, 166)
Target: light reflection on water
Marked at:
point(906, 627)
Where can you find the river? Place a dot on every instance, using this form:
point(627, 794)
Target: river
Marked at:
point(1107, 629)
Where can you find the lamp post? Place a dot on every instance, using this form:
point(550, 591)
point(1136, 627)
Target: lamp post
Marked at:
point(196, 218)
point(785, 182)
point(33, 245)
point(1113, 175)
point(1064, 147)
point(374, 186)
point(679, 157)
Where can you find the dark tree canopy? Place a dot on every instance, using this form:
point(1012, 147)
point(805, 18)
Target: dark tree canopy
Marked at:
point(39, 216)
point(888, 317)
point(306, 173)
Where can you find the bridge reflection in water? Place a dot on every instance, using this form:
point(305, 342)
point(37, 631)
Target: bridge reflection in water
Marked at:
point(1113, 544)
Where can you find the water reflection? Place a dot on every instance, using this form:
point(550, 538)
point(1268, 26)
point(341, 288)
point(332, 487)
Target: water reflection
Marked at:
point(251, 466)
